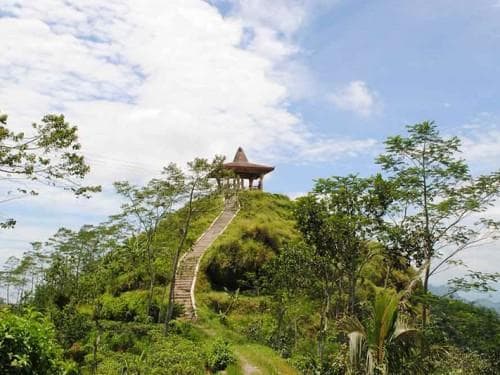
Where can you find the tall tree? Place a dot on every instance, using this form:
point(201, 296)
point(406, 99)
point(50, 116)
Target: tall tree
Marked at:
point(197, 183)
point(144, 209)
point(338, 220)
point(9, 277)
point(50, 155)
point(437, 200)
point(290, 278)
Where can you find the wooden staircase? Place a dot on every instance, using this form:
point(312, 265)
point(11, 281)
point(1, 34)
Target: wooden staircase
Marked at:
point(189, 264)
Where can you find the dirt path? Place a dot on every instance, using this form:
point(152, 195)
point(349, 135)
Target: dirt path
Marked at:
point(247, 367)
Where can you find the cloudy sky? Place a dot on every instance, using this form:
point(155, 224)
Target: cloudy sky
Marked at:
point(311, 86)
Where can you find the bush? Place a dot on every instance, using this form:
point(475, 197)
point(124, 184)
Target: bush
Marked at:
point(127, 307)
point(120, 342)
point(175, 356)
point(236, 259)
point(70, 324)
point(28, 346)
point(219, 355)
point(458, 362)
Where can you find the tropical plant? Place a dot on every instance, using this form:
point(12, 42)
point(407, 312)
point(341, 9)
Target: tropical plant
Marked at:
point(338, 220)
point(381, 345)
point(28, 346)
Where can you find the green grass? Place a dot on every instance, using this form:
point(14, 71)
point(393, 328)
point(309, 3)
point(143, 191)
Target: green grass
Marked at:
point(264, 223)
point(128, 266)
point(260, 228)
point(266, 360)
point(234, 369)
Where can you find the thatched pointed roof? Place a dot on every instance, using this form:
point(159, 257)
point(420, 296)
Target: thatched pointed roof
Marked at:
point(241, 166)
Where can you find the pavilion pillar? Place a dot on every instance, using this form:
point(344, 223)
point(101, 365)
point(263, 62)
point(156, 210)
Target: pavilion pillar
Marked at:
point(250, 182)
point(261, 182)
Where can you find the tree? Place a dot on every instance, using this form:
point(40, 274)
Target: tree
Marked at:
point(290, 279)
point(145, 208)
point(13, 278)
point(436, 199)
point(338, 220)
point(381, 345)
point(49, 156)
point(196, 184)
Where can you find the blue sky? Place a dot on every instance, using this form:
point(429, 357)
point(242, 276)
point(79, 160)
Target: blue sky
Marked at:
point(426, 60)
point(311, 86)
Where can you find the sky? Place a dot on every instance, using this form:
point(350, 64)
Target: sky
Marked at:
point(310, 86)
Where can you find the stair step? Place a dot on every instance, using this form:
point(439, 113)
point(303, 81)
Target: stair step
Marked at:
point(186, 271)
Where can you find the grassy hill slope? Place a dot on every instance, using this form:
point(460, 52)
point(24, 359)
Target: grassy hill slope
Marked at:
point(238, 324)
point(130, 344)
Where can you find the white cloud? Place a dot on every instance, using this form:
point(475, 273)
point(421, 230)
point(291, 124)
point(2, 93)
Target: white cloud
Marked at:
point(356, 97)
point(482, 147)
point(270, 31)
point(322, 150)
point(153, 82)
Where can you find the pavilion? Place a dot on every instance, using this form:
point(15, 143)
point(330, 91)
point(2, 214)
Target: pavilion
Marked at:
point(244, 170)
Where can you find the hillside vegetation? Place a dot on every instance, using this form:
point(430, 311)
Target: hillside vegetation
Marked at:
point(334, 282)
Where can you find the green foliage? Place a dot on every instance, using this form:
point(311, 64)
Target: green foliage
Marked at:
point(433, 193)
point(133, 348)
point(219, 355)
point(126, 264)
point(50, 155)
point(467, 327)
point(70, 324)
point(28, 346)
point(127, 307)
point(381, 345)
point(237, 257)
point(458, 362)
point(289, 269)
point(176, 356)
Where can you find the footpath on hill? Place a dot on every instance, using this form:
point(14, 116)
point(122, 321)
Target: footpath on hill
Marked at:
point(252, 358)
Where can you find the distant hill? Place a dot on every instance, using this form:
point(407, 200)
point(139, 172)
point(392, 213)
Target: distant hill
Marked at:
point(441, 290)
point(488, 303)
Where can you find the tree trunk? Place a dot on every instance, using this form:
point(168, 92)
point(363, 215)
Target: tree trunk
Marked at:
point(152, 276)
point(388, 273)
point(425, 309)
point(323, 326)
point(170, 309)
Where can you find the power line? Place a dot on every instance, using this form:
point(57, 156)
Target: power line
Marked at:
point(124, 163)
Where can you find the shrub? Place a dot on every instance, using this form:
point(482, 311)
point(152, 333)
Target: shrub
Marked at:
point(28, 346)
point(77, 353)
point(71, 325)
point(236, 259)
point(219, 355)
point(127, 307)
point(175, 356)
point(120, 342)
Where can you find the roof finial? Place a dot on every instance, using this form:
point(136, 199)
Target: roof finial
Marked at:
point(240, 156)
